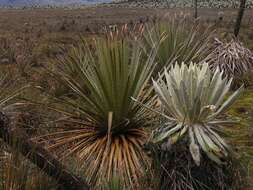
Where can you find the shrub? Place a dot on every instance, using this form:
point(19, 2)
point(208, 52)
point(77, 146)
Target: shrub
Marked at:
point(232, 58)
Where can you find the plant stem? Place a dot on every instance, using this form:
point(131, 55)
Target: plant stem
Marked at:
point(239, 17)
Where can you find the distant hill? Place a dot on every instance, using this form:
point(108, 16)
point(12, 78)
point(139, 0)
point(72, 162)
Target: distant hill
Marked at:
point(183, 3)
point(130, 3)
point(48, 2)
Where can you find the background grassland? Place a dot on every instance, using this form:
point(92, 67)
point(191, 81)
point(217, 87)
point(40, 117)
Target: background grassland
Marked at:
point(31, 38)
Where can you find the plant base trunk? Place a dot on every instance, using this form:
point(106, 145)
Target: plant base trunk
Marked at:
point(239, 18)
point(175, 169)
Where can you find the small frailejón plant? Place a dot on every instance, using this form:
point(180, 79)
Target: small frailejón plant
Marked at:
point(192, 99)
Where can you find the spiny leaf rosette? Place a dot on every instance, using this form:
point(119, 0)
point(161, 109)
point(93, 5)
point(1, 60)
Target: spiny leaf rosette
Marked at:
point(192, 99)
point(104, 128)
point(231, 57)
point(178, 41)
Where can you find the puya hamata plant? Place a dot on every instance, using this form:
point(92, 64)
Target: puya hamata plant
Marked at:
point(103, 128)
point(178, 41)
point(193, 100)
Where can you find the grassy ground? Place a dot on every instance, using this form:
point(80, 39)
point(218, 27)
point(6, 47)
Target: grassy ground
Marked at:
point(40, 30)
point(30, 38)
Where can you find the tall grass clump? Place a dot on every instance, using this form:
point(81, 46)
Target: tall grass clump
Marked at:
point(102, 127)
point(15, 171)
point(18, 173)
point(10, 89)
